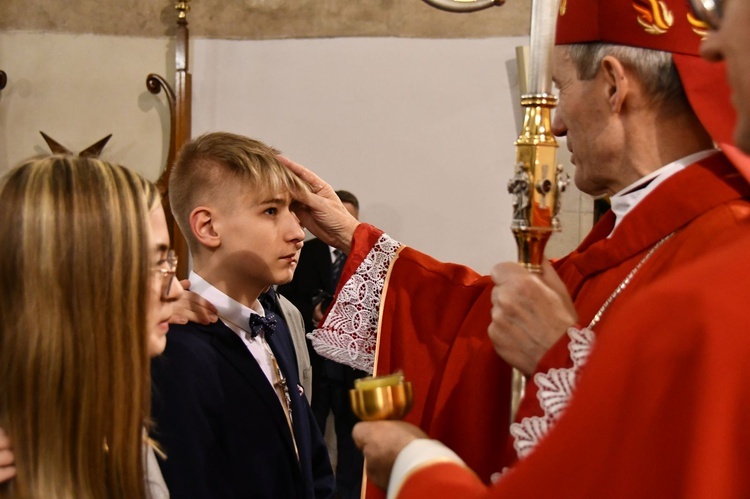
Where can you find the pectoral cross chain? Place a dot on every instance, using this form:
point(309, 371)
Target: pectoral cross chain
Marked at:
point(281, 384)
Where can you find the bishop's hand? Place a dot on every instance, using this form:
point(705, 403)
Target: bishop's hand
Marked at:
point(381, 442)
point(321, 211)
point(530, 312)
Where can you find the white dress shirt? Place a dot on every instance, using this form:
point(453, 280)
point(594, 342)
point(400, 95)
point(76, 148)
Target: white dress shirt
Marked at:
point(236, 317)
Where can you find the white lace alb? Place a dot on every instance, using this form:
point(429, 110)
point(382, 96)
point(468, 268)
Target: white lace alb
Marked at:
point(555, 388)
point(349, 333)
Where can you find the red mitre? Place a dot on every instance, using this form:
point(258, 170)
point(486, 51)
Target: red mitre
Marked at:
point(666, 25)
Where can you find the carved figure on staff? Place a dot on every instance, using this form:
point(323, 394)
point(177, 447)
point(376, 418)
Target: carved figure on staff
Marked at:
point(518, 187)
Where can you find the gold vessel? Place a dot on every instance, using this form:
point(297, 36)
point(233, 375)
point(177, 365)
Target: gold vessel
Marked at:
point(381, 397)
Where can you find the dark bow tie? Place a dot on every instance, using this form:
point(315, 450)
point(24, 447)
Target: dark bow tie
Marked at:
point(259, 323)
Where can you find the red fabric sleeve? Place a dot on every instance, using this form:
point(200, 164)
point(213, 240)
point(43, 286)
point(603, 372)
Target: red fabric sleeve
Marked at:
point(434, 327)
point(364, 238)
point(451, 479)
point(661, 408)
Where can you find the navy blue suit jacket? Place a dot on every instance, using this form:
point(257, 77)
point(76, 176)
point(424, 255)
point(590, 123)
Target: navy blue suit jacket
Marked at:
point(222, 426)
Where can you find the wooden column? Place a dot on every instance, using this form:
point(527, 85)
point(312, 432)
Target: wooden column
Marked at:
point(180, 112)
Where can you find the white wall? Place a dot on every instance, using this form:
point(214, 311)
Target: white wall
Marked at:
point(421, 130)
point(80, 88)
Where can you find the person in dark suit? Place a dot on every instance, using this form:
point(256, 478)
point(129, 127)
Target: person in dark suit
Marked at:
point(228, 405)
point(311, 290)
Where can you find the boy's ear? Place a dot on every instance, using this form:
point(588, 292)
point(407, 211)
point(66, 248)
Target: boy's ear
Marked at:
point(202, 226)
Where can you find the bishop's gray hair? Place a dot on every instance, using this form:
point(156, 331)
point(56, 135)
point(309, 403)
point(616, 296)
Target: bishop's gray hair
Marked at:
point(653, 68)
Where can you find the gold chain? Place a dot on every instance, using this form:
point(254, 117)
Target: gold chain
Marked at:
point(282, 386)
point(626, 281)
point(281, 383)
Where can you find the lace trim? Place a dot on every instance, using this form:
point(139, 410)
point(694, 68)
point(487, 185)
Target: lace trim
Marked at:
point(555, 389)
point(349, 333)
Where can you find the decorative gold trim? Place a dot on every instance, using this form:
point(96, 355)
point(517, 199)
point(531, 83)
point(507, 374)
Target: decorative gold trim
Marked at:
point(537, 182)
point(382, 305)
point(656, 18)
point(699, 27)
point(363, 490)
point(182, 8)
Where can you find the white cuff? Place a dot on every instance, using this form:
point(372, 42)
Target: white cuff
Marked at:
point(418, 454)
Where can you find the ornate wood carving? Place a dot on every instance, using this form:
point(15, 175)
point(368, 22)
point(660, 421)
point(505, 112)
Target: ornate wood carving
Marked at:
point(92, 151)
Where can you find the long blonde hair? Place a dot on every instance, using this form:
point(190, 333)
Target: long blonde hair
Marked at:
point(74, 368)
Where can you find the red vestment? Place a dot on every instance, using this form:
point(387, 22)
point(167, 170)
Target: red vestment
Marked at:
point(705, 208)
point(434, 316)
point(660, 409)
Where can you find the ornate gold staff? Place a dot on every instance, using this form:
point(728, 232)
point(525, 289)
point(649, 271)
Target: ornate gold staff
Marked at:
point(538, 179)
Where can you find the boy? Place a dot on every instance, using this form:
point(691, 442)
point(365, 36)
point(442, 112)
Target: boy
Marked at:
point(228, 405)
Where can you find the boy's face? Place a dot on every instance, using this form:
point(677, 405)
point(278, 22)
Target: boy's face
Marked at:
point(261, 239)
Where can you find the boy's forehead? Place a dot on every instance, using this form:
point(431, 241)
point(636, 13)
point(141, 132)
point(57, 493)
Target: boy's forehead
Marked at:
point(254, 187)
point(266, 194)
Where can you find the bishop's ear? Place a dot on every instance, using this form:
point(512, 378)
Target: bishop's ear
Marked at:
point(616, 81)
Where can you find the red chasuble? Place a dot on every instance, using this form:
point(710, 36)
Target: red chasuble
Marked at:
point(660, 409)
point(433, 317)
point(432, 326)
